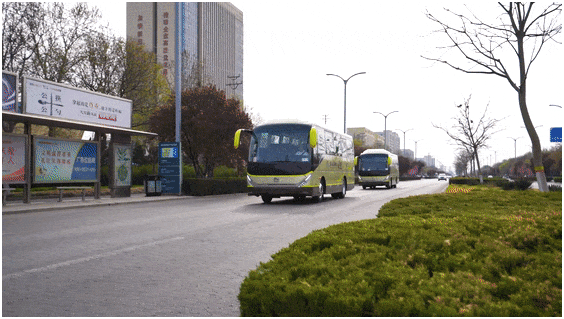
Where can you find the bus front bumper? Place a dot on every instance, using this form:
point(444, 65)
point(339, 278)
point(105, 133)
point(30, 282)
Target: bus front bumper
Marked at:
point(282, 190)
point(370, 181)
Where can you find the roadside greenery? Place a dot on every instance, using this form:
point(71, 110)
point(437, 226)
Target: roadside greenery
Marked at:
point(479, 252)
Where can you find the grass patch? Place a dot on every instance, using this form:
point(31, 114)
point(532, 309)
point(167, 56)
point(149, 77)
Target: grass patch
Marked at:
point(488, 252)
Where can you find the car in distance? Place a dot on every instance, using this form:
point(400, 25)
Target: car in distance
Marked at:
point(442, 177)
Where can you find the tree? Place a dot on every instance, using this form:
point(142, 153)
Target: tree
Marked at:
point(461, 162)
point(59, 47)
point(519, 31)
point(471, 135)
point(66, 45)
point(126, 70)
point(20, 22)
point(209, 122)
point(143, 83)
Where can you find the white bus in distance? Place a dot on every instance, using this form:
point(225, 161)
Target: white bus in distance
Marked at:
point(377, 167)
point(298, 159)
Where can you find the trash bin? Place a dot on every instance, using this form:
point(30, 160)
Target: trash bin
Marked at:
point(152, 185)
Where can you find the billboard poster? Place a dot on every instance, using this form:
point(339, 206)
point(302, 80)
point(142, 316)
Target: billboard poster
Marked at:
point(13, 159)
point(57, 161)
point(122, 165)
point(57, 100)
point(10, 92)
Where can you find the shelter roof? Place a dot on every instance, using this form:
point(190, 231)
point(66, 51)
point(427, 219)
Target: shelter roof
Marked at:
point(57, 122)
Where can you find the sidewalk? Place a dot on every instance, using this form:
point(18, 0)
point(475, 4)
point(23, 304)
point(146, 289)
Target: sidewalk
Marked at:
point(48, 204)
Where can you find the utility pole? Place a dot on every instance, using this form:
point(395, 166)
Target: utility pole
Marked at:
point(234, 85)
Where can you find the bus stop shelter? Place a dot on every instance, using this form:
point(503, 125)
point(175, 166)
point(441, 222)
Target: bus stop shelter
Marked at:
point(119, 137)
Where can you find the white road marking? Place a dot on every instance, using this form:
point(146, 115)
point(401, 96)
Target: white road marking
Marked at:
point(89, 258)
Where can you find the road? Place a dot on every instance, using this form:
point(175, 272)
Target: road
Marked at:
point(185, 257)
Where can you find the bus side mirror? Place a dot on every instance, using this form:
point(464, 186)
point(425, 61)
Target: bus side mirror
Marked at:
point(313, 137)
point(237, 139)
point(355, 160)
point(389, 161)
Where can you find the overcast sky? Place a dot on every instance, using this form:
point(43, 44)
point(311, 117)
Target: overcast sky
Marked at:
point(290, 46)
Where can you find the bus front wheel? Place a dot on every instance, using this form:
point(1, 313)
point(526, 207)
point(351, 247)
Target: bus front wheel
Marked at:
point(321, 191)
point(266, 199)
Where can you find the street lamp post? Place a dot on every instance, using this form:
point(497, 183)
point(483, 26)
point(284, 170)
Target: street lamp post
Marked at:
point(345, 110)
point(385, 129)
point(415, 155)
point(404, 138)
point(515, 140)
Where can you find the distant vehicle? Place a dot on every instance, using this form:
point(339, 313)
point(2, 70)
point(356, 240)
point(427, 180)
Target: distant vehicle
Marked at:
point(293, 158)
point(377, 167)
point(442, 177)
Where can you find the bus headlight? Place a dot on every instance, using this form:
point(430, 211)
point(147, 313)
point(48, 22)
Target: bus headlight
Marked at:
point(250, 181)
point(305, 181)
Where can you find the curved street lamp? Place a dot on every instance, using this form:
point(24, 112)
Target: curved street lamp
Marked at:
point(345, 82)
point(404, 138)
point(385, 129)
point(515, 142)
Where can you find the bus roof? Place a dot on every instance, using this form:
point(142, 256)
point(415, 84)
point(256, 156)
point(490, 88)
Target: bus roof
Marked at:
point(296, 121)
point(377, 151)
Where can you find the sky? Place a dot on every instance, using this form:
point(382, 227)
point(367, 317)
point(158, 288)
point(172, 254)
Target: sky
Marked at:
point(291, 46)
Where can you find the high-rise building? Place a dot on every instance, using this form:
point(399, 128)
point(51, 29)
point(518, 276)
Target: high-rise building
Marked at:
point(367, 137)
point(407, 153)
point(393, 142)
point(429, 160)
point(211, 38)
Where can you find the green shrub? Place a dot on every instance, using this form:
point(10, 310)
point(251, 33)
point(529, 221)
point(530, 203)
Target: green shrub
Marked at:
point(223, 172)
point(485, 253)
point(202, 186)
point(558, 179)
point(464, 180)
point(139, 173)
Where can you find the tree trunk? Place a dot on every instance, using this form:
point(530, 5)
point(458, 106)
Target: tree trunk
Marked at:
point(522, 92)
point(537, 151)
point(478, 164)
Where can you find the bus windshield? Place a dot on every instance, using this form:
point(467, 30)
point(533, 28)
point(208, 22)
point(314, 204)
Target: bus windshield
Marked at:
point(280, 143)
point(373, 163)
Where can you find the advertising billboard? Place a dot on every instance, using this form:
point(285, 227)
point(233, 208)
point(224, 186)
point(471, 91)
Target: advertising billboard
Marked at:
point(58, 161)
point(122, 166)
point(57, 100)
point(13, 158)
point(10, 92)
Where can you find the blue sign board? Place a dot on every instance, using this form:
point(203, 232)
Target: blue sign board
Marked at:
point(169, 167)
point(556, 134)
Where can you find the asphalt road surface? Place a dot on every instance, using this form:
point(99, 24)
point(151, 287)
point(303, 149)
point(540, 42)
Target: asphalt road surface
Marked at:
point(184, 257)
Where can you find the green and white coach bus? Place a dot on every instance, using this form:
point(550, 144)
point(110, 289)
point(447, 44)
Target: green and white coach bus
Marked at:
point(377, 167)
point(293, 158)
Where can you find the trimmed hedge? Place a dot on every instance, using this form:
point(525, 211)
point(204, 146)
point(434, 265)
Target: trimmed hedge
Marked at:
point(485, 253)
point(202, 187)
point(520, 184)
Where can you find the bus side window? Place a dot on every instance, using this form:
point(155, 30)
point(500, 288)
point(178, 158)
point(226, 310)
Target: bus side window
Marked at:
point(319, 150)
point(330, 148)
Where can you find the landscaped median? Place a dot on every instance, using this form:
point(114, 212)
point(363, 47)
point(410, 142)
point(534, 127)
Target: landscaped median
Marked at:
point(484, 252)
